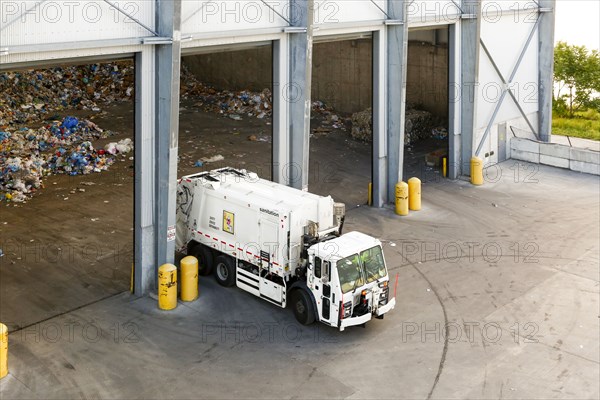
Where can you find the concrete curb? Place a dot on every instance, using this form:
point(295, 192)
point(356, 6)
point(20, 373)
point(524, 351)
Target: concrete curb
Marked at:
point(556, 155)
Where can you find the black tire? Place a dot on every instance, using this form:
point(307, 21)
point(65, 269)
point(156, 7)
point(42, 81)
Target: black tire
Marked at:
point(205, 258)
point(225, 271)
point(303, 307)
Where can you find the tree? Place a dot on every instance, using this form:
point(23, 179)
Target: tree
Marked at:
point(577, 70)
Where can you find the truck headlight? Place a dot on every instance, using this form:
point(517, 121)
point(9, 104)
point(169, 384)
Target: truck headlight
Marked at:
point(347, 308)
point(384, 295)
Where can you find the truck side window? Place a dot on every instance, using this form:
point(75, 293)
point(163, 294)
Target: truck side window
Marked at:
point(326, 269)
point(317, 267)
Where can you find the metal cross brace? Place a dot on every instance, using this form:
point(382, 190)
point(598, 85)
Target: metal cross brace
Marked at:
point(381, 9)
point(276, 12)
point(458, 6)
point(131, 17)
point(507, 89)
point(36, 5)
point(194, 13)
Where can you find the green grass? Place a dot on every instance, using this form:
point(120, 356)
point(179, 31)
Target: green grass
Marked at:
point(580, 126)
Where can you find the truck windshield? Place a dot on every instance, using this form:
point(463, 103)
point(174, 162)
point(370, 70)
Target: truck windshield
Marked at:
point(373, 264)
point(355, 269)
point(349, 271)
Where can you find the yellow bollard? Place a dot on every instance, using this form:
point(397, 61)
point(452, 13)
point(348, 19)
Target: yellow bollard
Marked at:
point(476, 171)
point(131, 278)
point(402, 198)
point(3, 351)
point(167, 287)
point(445, 167)
point(189, 278)
point(414, 194)
point(370, 198)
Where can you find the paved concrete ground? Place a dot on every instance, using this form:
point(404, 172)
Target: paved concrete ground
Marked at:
point(497, 297)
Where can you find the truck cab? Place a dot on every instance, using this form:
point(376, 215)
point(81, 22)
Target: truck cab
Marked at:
point(348, 279)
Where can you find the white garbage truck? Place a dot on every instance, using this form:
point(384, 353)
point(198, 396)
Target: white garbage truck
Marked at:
point(283, 245)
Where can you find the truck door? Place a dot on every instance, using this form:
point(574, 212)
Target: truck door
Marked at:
point(319, 285)
point(270, 283)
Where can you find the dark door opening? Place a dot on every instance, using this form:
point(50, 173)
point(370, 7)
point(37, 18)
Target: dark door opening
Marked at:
point(66, 187)
point(427, 100)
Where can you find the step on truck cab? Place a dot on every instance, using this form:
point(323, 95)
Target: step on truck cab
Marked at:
point(283, 245)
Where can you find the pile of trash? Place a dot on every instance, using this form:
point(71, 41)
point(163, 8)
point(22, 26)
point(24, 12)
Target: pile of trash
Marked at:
point(330, 118)
point(439, 133)
point(236, 104)
point(419, 125)
point(36, 95)
point(62, 147)
point(362, 125)
point(231, 104)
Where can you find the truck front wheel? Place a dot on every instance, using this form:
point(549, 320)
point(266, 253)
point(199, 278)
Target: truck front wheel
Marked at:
point(304, 310)
point(205, 258)
point(225, 271)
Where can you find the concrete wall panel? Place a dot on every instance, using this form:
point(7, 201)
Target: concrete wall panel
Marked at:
point(554, 161)
point(342, 73)
point(427, 77)
point(557, 155)
point(234, 70)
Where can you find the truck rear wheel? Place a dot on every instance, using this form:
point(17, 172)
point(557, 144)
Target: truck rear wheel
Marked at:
point(205, 258)
point(302, 305)
point(225, 271)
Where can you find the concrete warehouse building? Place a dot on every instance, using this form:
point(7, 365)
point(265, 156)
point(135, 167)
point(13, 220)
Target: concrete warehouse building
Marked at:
point(485, 67)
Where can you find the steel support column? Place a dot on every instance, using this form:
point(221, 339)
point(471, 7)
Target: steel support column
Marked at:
point(168, 59)
point(469, 48)
point(397, 49)
point(144, 257)
point(299, 95)
point(454, 104)
point(546, 68)
point(379, 175)
point(281, 125)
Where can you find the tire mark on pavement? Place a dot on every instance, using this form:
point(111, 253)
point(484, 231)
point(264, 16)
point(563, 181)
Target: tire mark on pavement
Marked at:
point(445, 349)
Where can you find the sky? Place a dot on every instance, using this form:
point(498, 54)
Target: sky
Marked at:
point(578, 22)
